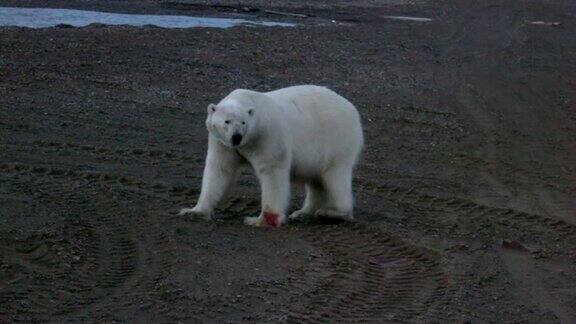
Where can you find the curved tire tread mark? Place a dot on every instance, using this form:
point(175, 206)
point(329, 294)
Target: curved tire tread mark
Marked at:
point(374, 277)
point(154, 155)
point(108, 260)
point(504, 216)
point(127, 252)
point(371, 275)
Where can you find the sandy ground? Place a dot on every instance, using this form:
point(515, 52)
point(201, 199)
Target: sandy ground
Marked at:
point(465, 193)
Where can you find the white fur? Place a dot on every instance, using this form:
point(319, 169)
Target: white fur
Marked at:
point(304, 133)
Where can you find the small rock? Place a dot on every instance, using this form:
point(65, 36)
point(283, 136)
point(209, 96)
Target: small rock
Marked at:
point(514, 245)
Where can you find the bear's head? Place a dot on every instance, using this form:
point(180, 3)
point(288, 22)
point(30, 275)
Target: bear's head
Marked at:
point(232, 123)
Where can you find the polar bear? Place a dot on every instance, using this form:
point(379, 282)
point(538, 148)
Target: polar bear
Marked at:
point(307, 134)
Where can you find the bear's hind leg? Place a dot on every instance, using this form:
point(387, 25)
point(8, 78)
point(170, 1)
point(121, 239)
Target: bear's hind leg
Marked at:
point(315, 198)
point(338, 182)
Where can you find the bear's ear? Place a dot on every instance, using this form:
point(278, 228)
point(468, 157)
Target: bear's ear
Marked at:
point(251, 112)
point(211, 108)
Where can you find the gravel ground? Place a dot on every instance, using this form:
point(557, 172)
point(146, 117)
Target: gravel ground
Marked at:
point(465, 192)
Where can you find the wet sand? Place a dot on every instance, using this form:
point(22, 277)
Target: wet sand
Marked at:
point(465, 195)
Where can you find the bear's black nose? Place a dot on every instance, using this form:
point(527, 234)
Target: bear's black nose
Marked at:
point(236, 139)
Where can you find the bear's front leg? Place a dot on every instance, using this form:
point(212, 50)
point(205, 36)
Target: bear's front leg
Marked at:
point(275, 185)
point(218, 180)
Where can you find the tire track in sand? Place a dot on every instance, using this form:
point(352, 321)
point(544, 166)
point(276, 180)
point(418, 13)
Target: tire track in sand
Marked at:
point(122, 253)
point(372, 276)
point(172, 156)
point(497, 215)
point(106, 253)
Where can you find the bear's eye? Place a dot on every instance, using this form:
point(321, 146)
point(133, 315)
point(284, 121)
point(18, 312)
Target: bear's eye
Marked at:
point(243, 123)
point(227, 122)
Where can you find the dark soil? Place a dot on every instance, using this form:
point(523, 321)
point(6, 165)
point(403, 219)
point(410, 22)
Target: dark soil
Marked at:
point(465, 196)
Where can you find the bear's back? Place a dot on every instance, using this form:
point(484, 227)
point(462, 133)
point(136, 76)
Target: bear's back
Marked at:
point(323, 125)
point(313, 99)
